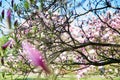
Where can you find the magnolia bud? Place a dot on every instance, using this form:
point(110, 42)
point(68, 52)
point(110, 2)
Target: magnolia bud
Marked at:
point(2, 13)
point(16, 23)
point(6, 45)
point(9, 18)
point(12, 3)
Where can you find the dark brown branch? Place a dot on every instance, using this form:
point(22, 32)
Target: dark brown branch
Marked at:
point(107, 24)
point(110, 61)
point(96, 44)
point(90, 11)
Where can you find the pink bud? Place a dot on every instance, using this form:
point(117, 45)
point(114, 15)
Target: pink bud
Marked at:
point(34, 56)
point(9, 13)
point(6, 45)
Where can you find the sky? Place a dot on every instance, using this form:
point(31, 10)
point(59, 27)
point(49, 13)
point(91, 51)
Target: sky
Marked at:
point(6, 4)
point(80, 10)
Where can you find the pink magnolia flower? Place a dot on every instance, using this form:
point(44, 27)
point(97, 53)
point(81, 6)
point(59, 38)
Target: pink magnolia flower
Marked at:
point(6, 44)
point(34, 56)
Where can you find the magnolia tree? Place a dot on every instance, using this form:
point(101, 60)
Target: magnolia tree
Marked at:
point(59, 36)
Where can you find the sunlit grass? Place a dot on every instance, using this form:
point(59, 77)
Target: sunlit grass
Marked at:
point(66, 77)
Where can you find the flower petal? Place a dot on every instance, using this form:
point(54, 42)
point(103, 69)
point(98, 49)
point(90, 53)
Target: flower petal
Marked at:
point(34, 56)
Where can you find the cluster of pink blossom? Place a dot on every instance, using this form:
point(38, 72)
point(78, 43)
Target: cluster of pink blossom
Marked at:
point(81, 73)
point(98, 29)
point(103, 29)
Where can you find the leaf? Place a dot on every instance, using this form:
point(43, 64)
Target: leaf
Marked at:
point(26, 5)
point(32, 1)
point(15, 7)
point(41, 3)
point(1, 19)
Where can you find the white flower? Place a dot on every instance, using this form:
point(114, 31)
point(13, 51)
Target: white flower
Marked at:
point(91, 51)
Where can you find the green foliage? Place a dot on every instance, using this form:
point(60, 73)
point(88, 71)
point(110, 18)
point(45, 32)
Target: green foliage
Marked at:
point(26, 5)
point(68, 77)
point(15, 7)
point(41, 4)
point(32, 1)
point(3, 39)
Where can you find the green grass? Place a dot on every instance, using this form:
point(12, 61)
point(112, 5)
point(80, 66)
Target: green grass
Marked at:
point(98, 78)
point(94, 77)
point(66, 77)
point(71, 77)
